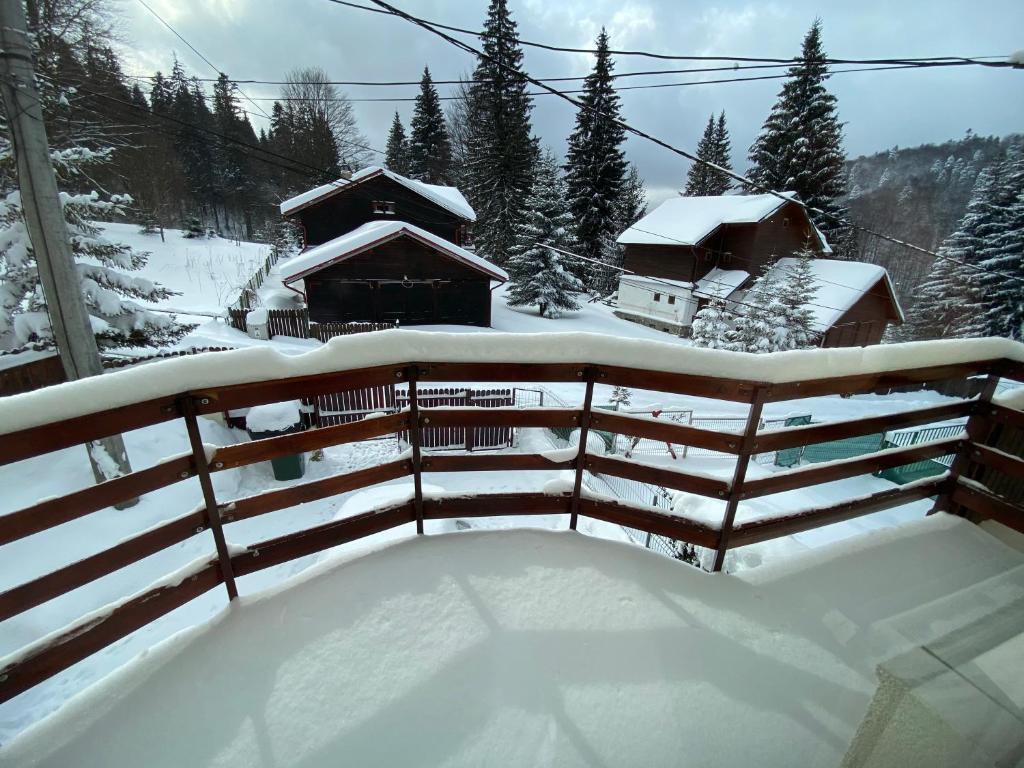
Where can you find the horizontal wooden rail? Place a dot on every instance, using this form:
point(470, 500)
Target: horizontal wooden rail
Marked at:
point(996, 459)
point(1003, 415)
point(26, 443)
point(670, 478)
point(270, 501)
point(240, 454)
point(552, 418)
point(53, 512)
point(839, 470)
point(763, 530)
point(665, 431)
point(795, 437)
point(496, 505)
point(320, 537)
point(650, 520)
point(491, 462)
point(32, 593)
point(987, 506)
point(81, 641)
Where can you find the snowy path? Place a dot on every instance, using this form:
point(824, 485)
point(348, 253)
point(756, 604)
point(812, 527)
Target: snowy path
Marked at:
point(538, 648)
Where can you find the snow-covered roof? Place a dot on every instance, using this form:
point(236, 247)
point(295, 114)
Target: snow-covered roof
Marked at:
point(449, 198)
point(657, 282)
point(688, 220)
point(719, 283)
point(840, 284)
point(374, 233)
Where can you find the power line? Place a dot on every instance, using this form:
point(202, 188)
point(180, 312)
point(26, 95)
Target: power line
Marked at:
point(392, 10)
point(971, 60)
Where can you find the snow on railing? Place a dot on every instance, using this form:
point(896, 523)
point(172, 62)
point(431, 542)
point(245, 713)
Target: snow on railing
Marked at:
point(71, 414)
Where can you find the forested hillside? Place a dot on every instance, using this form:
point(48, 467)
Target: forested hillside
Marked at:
point(918, 194)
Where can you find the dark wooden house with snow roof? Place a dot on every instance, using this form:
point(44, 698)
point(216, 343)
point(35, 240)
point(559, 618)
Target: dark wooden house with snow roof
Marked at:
point(384, 248)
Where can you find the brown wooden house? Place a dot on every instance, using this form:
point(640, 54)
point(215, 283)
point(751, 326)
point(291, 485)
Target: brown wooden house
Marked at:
point(383, 248)
point(690, 249)
point(387, 271)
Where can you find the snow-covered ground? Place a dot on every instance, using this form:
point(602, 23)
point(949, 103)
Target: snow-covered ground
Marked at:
point(534, 648)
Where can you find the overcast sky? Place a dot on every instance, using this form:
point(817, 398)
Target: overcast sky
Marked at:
point(262, 39)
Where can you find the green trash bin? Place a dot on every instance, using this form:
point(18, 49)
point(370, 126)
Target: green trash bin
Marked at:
point(274, 420)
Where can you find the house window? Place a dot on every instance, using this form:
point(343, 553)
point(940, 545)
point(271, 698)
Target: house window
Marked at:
point(785, 222)
point(384, 207)
point(727, 258)
point(657, 297)
point(671, 299)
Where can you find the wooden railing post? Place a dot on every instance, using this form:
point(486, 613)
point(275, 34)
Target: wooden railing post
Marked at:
point(187, 406)
point(978, 427)
point(415, 441)
point(581, 453)
point(746, 449)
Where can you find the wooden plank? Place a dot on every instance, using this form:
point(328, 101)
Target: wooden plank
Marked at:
point(491, 462)
point(500, 372)
point(26, 443)
point(670, 478)
point(985, 506)
point(860, 465)
point(39, 590)
point(415, 444)
point(871, 382)
point(52, 512)
point(1003, 415)
point(734, 390)
point(80, 642)
point(228, 397)
point(318, 538)
point(282, 498)
point(651, 521)
point(552, 418)
point(752, 533)
point(666, 431)
point(240, 454)
point(794, 437)
point(1003, 462)
point(747, 443)
point(581, 449)
point(496, 505)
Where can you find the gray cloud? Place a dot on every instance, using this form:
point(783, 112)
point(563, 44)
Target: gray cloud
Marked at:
point(261, 39)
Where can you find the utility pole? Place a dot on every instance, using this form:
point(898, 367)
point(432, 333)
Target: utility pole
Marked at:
point(47, 229)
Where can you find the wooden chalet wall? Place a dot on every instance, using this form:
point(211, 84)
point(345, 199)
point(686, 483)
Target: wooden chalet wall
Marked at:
point(401, 280)
point(865, 322)
point(352, 207)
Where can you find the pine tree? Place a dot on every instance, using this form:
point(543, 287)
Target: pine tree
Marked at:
point(1002, 251)
point(632, 204)
point(430, 154)
point(714, 147)
point(397, 158)
point(621, 398)
point(757, 327)
point(950, 302)
point(596, 166)
point(540, 277)
point(712, 326)
point(501, 150)
point(797, 288)
point(800, 147)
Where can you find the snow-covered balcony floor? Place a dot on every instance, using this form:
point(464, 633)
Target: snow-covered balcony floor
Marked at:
point(527, 648)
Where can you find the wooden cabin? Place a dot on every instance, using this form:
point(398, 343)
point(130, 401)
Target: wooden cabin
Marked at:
point(689, 250)
point(380, 247)
point(387, 271)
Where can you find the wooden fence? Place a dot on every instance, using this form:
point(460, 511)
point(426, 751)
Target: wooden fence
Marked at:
point(459, 436)
point(295, 322)
point(959, 491)
point(37, 372)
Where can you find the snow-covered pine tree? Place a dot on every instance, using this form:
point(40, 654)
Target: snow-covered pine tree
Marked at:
point(758, 325)
point(501, 152)
point(621, 397)
point(1002, 251)
point(796, 292)
point(950, 302)
point(800, 147)
point(714, 147)
point(397, 158)
point(104, 266)
point(712, 326)
point(632, 205)
point(596, 166)
point(430, 154)
point(541, 277)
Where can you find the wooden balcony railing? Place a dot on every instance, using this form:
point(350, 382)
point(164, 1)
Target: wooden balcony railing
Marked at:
point(962, 491)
